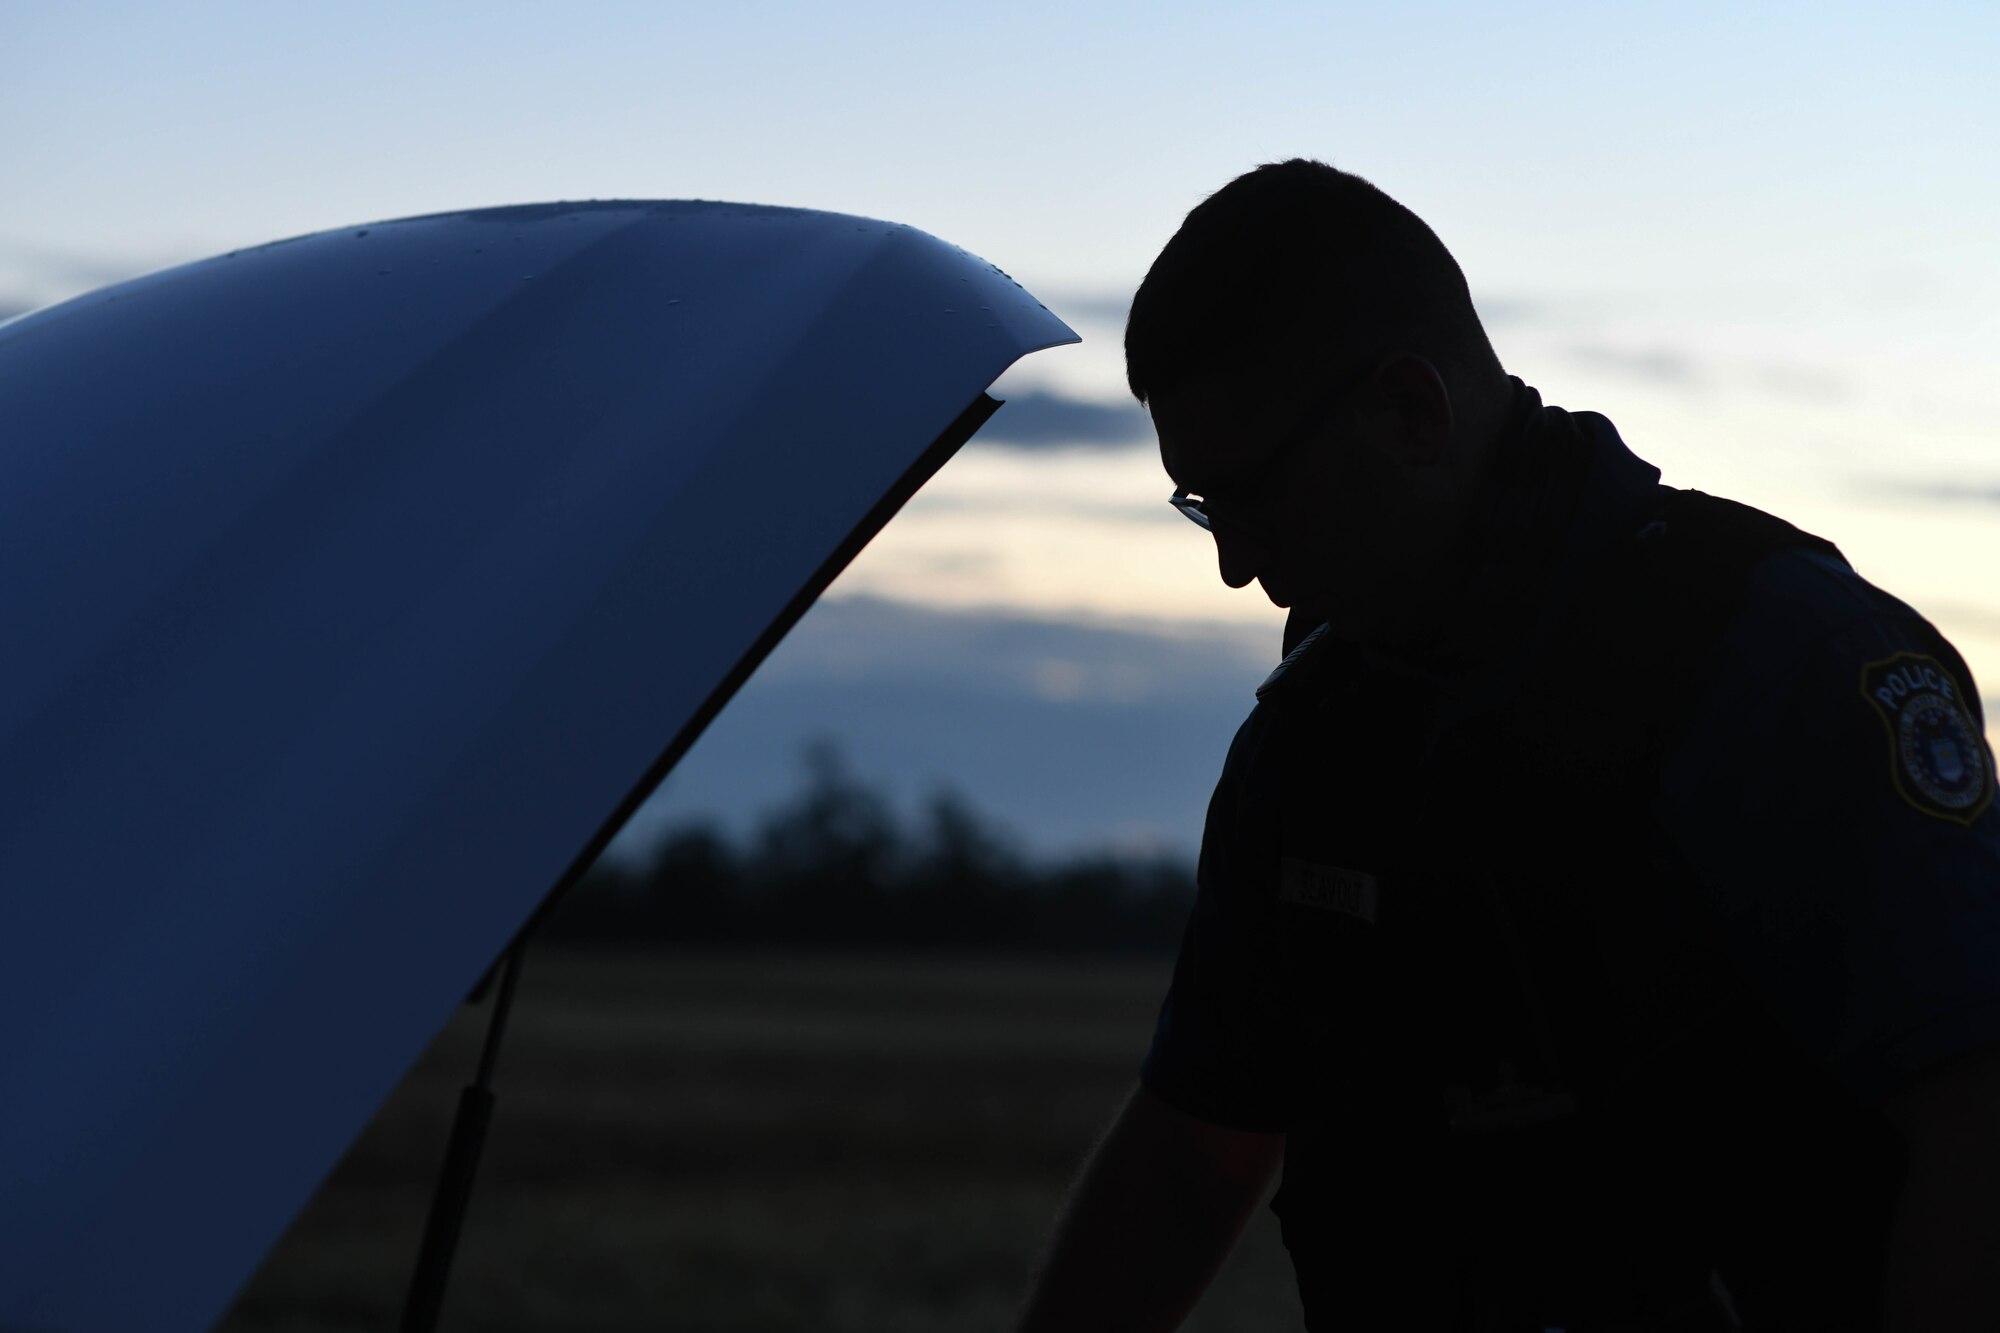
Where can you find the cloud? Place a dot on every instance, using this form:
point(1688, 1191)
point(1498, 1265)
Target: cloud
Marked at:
point(1003, 652)
point(1810, 383)
point(1505, 311)
point(1093, 307)
point(73, 269)
point(1674, 368)
point(1112, 306)
point(963, 563)
point(1070, 734)
point(1041, 419)
point(1957, 618)
point(1660, 364)
point(1881, 490)
point(1025, 504)
point(33, 276)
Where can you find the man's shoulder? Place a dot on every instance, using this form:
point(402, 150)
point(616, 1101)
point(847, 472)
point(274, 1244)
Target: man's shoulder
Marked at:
point(1802, 607)
point(1768, 596)
point(1844, 678)
point(1807, 595)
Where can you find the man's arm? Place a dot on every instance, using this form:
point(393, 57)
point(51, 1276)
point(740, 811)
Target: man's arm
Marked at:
point(1944, 1252)
point(1157, 1209)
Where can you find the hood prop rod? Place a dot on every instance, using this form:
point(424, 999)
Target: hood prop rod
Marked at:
point(461, 1161)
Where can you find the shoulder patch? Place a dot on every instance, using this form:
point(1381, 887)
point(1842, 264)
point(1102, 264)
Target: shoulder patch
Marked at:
point(1937, 758)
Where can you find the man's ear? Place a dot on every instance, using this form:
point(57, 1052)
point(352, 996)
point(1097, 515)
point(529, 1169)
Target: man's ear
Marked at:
point(1419, 407)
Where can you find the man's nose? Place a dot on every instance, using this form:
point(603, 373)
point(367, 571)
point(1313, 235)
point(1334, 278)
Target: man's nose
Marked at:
point(1240, 557)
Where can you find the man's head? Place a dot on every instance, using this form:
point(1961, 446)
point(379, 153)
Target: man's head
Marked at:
point(1317, 373)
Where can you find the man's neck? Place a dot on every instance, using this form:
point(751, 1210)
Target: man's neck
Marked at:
point(1520, 503)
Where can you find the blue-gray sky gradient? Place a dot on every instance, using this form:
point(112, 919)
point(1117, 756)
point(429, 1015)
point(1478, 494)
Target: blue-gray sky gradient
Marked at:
point(1758, 238)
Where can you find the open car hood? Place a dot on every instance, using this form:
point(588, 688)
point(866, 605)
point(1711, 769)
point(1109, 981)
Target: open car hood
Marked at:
point(356, 587)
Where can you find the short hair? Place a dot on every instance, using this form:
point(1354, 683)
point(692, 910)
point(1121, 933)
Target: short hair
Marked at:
point(1300, 258)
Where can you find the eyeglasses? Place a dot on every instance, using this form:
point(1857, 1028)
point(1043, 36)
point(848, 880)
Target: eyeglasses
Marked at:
point(1195, 507)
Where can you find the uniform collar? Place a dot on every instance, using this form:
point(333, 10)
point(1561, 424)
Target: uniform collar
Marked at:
point(1562, 491)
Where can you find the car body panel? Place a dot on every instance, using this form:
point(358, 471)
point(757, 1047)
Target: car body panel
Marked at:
point(356, 585)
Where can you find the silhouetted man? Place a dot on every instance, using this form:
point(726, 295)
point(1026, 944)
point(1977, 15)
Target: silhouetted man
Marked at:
point(1599, 912)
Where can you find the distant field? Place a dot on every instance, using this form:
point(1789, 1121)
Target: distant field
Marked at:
point(749, 1141)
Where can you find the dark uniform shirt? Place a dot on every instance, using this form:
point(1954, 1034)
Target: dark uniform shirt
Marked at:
point(1827, 809)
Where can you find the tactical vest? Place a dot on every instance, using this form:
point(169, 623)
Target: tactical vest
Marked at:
point(1534, 1091)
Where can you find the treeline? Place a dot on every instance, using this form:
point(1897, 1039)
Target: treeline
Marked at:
point(833, 865)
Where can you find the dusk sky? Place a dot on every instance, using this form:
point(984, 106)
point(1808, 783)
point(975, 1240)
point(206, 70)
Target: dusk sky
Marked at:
point(1760, 238)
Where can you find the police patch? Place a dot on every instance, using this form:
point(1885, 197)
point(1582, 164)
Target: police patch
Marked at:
point(1937, 758)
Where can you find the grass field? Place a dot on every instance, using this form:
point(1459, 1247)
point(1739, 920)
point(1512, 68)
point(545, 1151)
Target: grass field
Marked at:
point(750, 1141)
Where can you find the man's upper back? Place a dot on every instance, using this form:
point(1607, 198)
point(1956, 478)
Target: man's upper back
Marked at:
point(1775, 770)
